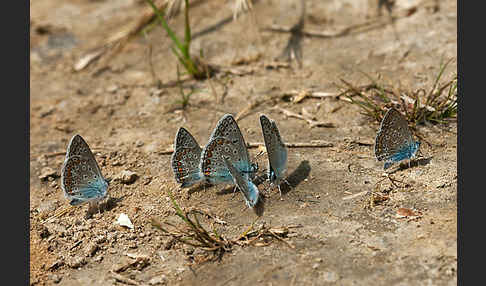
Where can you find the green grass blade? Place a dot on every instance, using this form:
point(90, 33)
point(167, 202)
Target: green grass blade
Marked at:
point(164, 24)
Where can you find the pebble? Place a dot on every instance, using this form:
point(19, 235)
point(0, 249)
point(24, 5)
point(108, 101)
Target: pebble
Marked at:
point(43, 231)
point(161, 279)
point(76, 262)
point(56, 278)
point(126, 177)
point(112, 88)
point(47, 172)
point(132, 245)
point(100, 239)
point(91, 249)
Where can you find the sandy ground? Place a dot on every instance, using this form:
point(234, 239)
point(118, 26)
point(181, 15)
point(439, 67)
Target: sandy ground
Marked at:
point(128, 122)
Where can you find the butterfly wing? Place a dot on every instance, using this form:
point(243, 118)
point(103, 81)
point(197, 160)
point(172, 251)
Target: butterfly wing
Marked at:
point(185, 159)
point(394, 140)
point(80, 180)
point(276, 150)
point(245, 185)
point(225, 141)
point(78, 147)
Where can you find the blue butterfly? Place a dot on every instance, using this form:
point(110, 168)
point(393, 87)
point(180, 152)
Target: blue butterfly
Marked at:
point(394, 141)
point(185, 159)
point(244, 184)
point(81, 178)
point(276, 151)
point(226, 140)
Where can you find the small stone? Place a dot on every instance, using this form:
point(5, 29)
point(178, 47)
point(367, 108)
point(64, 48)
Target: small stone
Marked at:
point(132, 245)
point(112, 88)
point(43, 231)
point(91, 249)
point(76, 262)
point(139, 143)
point(156, 92)
point(47, 172)
point(157, 280)
point(56, 278)
point(116, 163)
point(123, 220)
point(126, 177)
point(98, 258)
point(100, 239)
point(42, 160)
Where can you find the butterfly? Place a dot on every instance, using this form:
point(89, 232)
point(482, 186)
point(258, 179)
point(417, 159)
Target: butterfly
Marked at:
point(276, 151)
point(394, 141)
point(81, 178)
point(244, 183)
point(226, 140)
point(185, 159)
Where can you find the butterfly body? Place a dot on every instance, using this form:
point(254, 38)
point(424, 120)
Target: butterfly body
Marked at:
point(245, 185)
point(394, 141)
point(81, 178)
point(185, 159)
point(226, 141)
point(276, 151)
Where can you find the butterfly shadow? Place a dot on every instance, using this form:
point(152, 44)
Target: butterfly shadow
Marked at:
point(102, 206)
point(198, 188)
point(111, 203)
point(412, 164)
point(259, 208)
point(296, 177)
point(293, 49)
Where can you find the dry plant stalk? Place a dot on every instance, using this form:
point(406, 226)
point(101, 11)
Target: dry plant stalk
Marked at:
point(213, 243)
point(312, 144)
point(311, 122)
point(116, 41)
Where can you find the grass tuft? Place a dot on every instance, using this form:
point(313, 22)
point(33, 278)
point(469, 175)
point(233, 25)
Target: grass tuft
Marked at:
point(437, 105)
point(213, 244)
point(193, 65)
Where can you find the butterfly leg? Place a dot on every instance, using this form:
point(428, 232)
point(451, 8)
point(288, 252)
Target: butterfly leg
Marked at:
point(234, 192)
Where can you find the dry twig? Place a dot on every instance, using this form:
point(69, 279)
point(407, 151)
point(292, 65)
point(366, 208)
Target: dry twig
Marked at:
point(312, 144)
point(311, 122)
